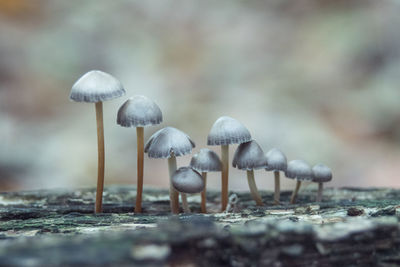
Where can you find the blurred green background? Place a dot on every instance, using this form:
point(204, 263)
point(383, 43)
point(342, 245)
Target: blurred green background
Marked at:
point(318, 79)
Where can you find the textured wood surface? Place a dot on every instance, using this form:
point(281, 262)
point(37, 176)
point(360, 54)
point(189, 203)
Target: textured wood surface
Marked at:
point(351, 227)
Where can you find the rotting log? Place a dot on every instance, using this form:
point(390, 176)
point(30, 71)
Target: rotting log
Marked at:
point(351, 227)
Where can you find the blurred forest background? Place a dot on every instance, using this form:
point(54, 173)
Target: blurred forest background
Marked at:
point(319, 79)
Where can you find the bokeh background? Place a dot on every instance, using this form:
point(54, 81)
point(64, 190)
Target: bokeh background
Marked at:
point(319, 79)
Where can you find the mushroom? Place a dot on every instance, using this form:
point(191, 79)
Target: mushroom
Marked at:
point(276, 162)
point(300, 170)
point(169, 143)
point(224, 132)
point(95, 87)
point(139, 111)
point(321, 175)
point(187, 181)
point(205, 161)
point(249, 156)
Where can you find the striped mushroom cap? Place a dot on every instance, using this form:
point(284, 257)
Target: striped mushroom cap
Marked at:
point(168, 140)
point(96, 86)
point(249, 156)
point(139, 111)
point(187, 180)
point(276, 160)
point(299, 169)
point(321, 173)
point(226, 131)
point(206, 161)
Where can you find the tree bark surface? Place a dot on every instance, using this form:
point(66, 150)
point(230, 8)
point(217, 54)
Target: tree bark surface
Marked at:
point(351, 227)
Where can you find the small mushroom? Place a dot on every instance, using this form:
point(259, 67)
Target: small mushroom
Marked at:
point(139, 111)
point(95, 87)
point(224, 132)
point(276, 162)
point(205, 161)
point(249, 156)
point(300, 170)
point(187, 181)
point(321, 175)
point(169, 143)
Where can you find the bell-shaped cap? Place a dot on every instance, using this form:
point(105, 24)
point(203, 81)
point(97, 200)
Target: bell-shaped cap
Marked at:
point(206, 161)
point(187, 180)
point(299, 169)
point(226, 131)
point(96, 86)
point(139, 111)
point(167, 141)
point(249, 156)
point(276, 160)
point(321, 173)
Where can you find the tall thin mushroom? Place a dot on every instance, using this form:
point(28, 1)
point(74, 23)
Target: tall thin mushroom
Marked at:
point(187, 181)
point(276, 162)
point(249, 156)
point(301, 171)
point(205, 161)
point(139, 111)
point(321, 175)
point(224, 132)
point(169, 143)
point(95, 87)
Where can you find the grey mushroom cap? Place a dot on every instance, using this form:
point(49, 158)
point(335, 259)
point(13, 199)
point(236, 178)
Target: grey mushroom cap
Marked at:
point(96, 86)
point(187, 180)
point(249, 156)
point(276, 160)
point(139, 111)
point(226, 131)
point(167, 141)
point(299, 169)
point(321, 173)
point(206, 161)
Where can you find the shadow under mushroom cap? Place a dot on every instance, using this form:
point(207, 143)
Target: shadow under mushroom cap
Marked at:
point(249, 156)
point(139, 111)
point(96, 86)
point(321, 173)
point(276, 160)
point(187, 180)
point(206, 161)
point(226, 131)
point(300, 170)
point(169, 140)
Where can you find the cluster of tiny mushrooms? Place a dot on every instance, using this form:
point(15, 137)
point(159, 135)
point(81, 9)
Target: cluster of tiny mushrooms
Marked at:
point(139, 111)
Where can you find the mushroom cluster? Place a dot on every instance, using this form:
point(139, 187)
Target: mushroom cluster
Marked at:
point(140, 111)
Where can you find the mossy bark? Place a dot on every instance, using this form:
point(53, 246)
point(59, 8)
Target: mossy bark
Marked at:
point(351, 227)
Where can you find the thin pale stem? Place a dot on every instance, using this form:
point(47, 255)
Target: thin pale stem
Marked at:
point(295, 191)
point(277, 194)
point(101, 157)
point(320, 190)
point(173, 194)
point(253, 188)
point(204, 194)
point(185, 205)
point(224, 176)
point(140, 155)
